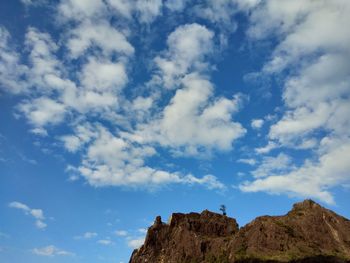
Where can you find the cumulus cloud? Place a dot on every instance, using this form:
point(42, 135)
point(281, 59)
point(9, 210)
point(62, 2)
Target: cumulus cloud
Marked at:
point(257, 123)
point(101, 35)
point(12, 72)
point(103, 75)
point(78, 10)
point(45, 69)
point(113, 160)
point(188, 46)
point(83, 133)
point(43, 111)
point(78, 79)
point(314, 43)
point(51, 251)
point(147, 11)
point(205, 123)
point(38, 214)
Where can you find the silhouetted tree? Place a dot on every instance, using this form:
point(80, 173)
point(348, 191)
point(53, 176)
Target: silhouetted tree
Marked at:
point(223, 209)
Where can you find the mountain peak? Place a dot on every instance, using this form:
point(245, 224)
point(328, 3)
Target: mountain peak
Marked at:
point(306, 204)
point(308, 233)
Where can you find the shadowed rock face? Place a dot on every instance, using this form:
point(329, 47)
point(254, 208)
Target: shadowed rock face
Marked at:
point(308, 233)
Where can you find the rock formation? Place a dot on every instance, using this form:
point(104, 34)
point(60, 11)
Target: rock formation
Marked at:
point(308, 233)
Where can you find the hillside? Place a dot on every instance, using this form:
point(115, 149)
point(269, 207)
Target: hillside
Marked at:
point(307, 233)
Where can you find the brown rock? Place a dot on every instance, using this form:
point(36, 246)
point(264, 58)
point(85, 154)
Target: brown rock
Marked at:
point(186, 237)
point(308, 233)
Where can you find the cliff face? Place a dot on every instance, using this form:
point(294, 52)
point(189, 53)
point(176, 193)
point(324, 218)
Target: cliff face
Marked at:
point(308, 233)
point(187, 237)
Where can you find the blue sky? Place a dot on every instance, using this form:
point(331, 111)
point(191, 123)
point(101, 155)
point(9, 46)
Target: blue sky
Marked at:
point(115, 111)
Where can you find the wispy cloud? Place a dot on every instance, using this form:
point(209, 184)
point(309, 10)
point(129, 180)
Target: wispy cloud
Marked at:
point(247, 161)
point(105, 242)
point(38, 214)
point(87, 235)
point(51, 251)
point(121, 233)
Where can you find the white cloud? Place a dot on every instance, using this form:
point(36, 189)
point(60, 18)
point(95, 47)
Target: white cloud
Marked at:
point(136, 243)
point(210, 181)
point(257, 123)
point(51, 251)
point(315, 45)
point(101, 35)
point(221, 12)
point(121, 233)
point(188, 46)
point(105, 242)
point(123, 7)
point(81, 74)
point(273, 165)
point(312, 179)
point(87, 235)
point(266, 149)
point(88, 101)
point(83, 133)
point(71, 142)
point(43, 111)
point(80, 10)
point(38, 214)
point(11, 70)
point(39, 131)
point(40, 224)
point(147, 11)
point(205, 124)
point(45, 69)
point(113, 160)
point(247, 161)
point(176, 5)
point(103, 75)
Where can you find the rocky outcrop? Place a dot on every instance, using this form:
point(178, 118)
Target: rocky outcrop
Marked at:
point(308, 233)
point(186, 237)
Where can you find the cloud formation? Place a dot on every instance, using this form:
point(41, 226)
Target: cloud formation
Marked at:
point(38, 214)
point(51, 251)
point(315, 44)
point(79, 87)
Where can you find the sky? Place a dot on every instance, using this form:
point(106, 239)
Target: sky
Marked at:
point(116, 111)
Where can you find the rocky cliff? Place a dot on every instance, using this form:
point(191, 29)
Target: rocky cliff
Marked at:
point(308, 233)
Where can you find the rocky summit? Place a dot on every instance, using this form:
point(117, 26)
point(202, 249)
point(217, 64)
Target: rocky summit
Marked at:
point(307, 233)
